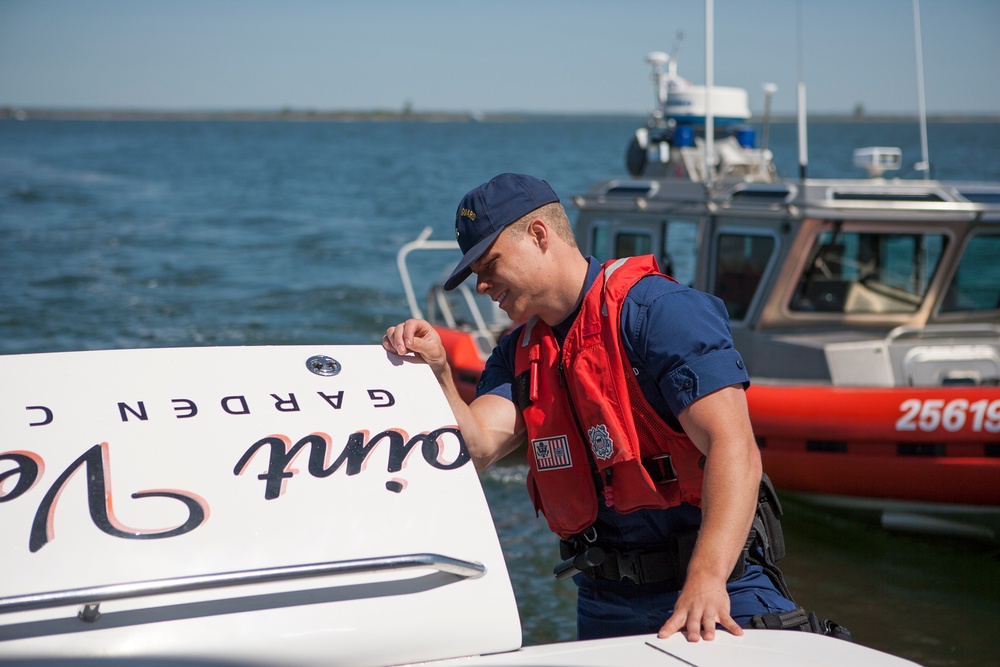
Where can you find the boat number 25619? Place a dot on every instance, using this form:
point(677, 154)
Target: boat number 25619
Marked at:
point(934, 413)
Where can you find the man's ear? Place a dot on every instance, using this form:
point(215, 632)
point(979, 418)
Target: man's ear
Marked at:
point(538, 232)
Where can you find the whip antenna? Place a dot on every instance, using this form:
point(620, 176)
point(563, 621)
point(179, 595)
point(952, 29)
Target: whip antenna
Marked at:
point(924, 165)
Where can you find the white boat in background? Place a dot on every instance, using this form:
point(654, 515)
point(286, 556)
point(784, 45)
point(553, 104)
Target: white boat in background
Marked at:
point(271, 506)
point(867, 309)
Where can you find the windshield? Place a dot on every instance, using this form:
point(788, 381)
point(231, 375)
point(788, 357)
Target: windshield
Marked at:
point(976, 284)
point(868, 272)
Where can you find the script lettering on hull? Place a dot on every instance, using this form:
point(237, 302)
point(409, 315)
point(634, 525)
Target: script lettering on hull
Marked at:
point(355, 453)
point(28, 468)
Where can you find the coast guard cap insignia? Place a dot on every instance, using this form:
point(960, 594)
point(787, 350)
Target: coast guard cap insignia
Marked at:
point(551, 453)
point(600, 442)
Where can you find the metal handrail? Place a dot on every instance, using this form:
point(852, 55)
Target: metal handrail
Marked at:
point(423, 242)
point(420, 243)
point(97, 594)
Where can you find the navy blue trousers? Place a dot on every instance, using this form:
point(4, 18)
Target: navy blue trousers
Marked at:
point(621, 608)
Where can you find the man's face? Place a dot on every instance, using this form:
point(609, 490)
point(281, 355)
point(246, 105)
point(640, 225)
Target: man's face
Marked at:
point(503, 273)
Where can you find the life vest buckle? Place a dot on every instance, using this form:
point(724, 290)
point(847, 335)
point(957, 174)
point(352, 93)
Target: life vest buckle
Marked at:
point(660, 468)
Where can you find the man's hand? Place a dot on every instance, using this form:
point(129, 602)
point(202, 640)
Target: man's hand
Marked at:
point(419, 337)
point(702, 605)
point(492, 426)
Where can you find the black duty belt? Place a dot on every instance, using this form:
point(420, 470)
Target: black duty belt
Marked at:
point(643, 566)
point(666, 565)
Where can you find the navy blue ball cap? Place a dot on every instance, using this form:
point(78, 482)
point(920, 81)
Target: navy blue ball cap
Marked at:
point(486, 210)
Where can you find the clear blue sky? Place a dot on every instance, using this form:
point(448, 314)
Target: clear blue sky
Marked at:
point(488, 55)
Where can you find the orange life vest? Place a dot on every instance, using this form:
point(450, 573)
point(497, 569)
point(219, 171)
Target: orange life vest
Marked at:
point(588, 388)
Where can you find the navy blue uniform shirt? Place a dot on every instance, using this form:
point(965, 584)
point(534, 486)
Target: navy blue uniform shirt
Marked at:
point(679, 343)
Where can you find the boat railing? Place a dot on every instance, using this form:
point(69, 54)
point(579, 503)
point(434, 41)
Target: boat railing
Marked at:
point(439, 307)
point(94, 595)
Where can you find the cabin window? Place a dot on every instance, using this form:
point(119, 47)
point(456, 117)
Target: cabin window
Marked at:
point(680, 254)
point(607, 242)
point(631, 244)
point(867, 272)
point(600, 242)
point(976, 285)
point(613, 241)
point(674, 242)
point(739, 267)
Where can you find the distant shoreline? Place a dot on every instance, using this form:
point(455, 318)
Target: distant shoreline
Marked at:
point(292, 115)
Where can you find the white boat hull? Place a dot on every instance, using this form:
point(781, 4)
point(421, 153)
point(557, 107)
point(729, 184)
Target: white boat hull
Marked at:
point(253, 506)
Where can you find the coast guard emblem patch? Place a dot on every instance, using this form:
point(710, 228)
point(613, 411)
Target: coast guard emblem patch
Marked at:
point(551, 453)
point(600, 442)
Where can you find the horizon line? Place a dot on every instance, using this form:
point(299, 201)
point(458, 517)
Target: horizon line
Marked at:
point(17, 112)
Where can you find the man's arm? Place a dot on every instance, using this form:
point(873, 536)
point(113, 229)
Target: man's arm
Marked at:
point(719, 425)
point(492, 426)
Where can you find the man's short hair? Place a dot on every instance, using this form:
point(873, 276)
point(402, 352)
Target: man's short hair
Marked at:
point(554, 215)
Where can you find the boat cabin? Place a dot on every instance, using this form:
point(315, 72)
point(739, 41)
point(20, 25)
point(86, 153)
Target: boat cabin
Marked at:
point(867, 310)
point(803, 266)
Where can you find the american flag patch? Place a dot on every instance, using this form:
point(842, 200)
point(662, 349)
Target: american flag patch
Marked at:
point(551, 453)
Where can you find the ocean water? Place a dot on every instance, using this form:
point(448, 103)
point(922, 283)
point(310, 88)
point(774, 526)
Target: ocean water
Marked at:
point(156, 234)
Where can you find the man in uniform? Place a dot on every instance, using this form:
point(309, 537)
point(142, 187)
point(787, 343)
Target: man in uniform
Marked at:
point(631, 396)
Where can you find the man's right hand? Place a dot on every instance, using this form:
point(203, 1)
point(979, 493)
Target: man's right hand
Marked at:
point(492, 426)
point(420, 338)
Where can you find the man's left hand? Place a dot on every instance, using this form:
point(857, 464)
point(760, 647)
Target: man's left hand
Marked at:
point(699, 608)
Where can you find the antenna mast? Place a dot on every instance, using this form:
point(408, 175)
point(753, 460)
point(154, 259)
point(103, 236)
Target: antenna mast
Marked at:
point(924, 165)
point(801, 90)
point(709, 82)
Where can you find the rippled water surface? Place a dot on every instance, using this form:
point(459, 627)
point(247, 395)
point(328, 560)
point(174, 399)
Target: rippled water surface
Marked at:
point(154, 234)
